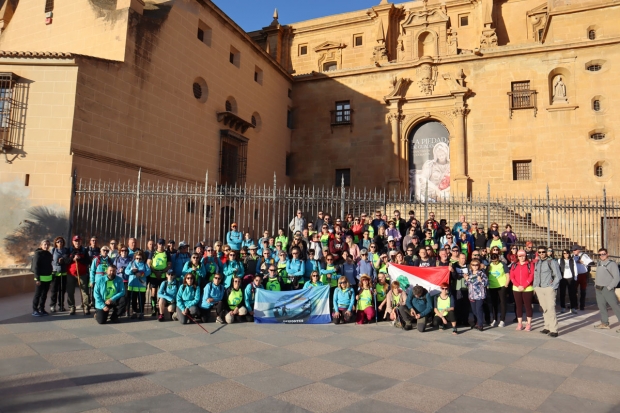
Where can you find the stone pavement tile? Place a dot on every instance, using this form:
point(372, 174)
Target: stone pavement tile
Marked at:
point(273, 381)
point(221, 396)
point(29, 324)
point(245, 346)
point(234, 367)
point(155, 362)
point(217, 335)
point(164, 403)
point(546, 366)
point(472, 367)
point(374, 406)
point(77, 358)
point(9, 340)
point(507, 348)
point(423, 398)
point(184, 378)
point(102, 372)
point(131, 350)
point(341, 340)
point(368, 334)
point(444, 349)
point(280, 339)
point(110, 340)
point(319, 398)
point(277, 357)
point(311, 333)
point(394, 369)
point(12, 386)
point(350, 358)
point(4, 330)
point(510, 394)
point(109, 393)
point(602, 392)
point(41, 336)
point(132, 326)
point(61, 400)
point(315, 369)
point(537, 379)
point(311, 348)
point(471, 404)
point(176, 343)
point(153, 334)
point(378, 349)
point(99, 410)
point(565, 346)
point(558, 355)
point(602, 361)
point(531, 339)
point(412, 340)
point(93, 331)
point(421, 359)
point(566, 403)
point(457, 383)
point(186, 330)
point(20, 365)
point(204, 354)
point(594, 374)
point(59, 346)
point(249, 330)
point(77, 323)
point(268, 405)
point(469, 338)
point(485, 354)
point(361, 382)
point(16, 350)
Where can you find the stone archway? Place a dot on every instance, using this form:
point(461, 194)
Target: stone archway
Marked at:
point(429, 160)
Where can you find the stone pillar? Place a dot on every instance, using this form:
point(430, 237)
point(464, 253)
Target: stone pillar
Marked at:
point(458, 154)
point(394, 183)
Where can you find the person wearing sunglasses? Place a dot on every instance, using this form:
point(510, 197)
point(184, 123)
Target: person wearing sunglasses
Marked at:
point(188, 299)
point(343, 302)
point(282, 239)
point(79, 262)
point(138, 272)
point(390, 297)
point(330, 274)
point(234, 238)
point(109, 296)
point(160, 262)
point(249, 296)
point(273, 282)
point(443, 308)
point(196, 268)
point(294, 271)
point(477, 282)
point(568, 268)
point(547, 278)
point(498, 283)
point(113, 249)
point(607, 278)
point(121, 262)
point(232, 268)
point(60, 265)
point(212, 296)
point(298, 222)
point(167, 294)
point(232, 305)
point(315, 281)
point(522, 277)
point(364, 299)
point(179, 259)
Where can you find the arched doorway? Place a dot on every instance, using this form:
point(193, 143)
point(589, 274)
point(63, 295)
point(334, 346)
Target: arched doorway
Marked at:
point(429, 161)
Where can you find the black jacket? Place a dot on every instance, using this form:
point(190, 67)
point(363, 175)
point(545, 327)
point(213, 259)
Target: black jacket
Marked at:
point(42, 263)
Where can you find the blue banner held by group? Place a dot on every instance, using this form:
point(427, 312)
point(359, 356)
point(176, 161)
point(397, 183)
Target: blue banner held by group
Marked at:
point(309, 306)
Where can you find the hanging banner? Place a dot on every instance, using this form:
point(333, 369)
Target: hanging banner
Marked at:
point(429, 162)
point(310, 306)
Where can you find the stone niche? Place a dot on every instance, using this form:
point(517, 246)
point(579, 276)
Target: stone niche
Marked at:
point(424, 33)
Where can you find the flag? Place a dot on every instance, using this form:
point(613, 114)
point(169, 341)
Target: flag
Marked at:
point(427, 277)
point(309, 306)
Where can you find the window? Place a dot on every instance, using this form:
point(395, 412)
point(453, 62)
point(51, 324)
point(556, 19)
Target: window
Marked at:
point(521, 96)
point(49, 6)
point(289, 119)
point(540, 34)
point(204, 33)
point(228, 106)
point(256, 121)
point(235, 56)
point(342, 114)
point(358, 40)
point(290, 93)
point(10, 94)
point(197, 90)
point(598, 170)
point(258, 75)
point(303, 49)
point(463, 20)
point(592, 34)
point(343, 173)
point(287, 167)
point(329, 66)
point(597, 136)
point(594, 67)
point(27, 180)
point(522, 170)
point(233, 158)
point(596, 105)
point(231, 105)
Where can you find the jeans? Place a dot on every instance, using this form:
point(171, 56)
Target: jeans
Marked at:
point(117, 307)
point(408, 319)
point(476, 306)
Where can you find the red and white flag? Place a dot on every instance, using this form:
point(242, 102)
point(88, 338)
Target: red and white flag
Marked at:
point(428, 277)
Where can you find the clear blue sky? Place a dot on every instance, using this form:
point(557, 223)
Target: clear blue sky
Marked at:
point(254, 14)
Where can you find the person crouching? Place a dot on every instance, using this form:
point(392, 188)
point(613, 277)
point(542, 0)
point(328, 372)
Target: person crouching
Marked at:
point(168, 297)
point(344, 299)
point(109, 295)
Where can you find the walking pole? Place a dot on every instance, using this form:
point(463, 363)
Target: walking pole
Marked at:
point(77, 271)
point(194, 321)
point(374, 295)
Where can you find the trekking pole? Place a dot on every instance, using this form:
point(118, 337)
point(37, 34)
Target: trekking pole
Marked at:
point(194, 321)
point(375, 300)
point(77, 271)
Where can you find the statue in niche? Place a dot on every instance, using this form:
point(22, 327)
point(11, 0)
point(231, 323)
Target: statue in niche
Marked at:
point(559, 91)
point(452, 42)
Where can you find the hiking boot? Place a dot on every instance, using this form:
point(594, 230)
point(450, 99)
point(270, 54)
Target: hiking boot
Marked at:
point(545, 331)
point(43, 312)
point(553, 335)
point(53, 309)
point(573, 311)
point(501, 324)
point(72, 312)
point(219, 320)
point(602, 326)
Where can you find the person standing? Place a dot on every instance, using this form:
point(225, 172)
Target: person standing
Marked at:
point(546, 281)
point(607, 278)
point(60, 264)
point(113, 250)
point(43, 274)
point(160, 262)
point(93, 249)
point(583, 261)
point(498, 283)
point(138, 273)
point(569, 279)
point(78, 271)
point(476, 282)
point(459, 291)
point(234, 238)
point(298, 223)
point(109, 295)
point(522, 277)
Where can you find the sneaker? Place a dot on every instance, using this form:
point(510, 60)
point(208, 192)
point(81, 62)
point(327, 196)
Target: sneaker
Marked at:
point(602, 326)
point(160, 318)
point(44, 313)
point(455, 332)
point(563, 310)
point(219, 320)
point(140, 316)
point(573, 311)
point(62, 309)
point(545, 331)
point(392, 323)
point(72, 312)
point(174, 316)
point(519, 327)
point(528, 327)
point(133, 316)
point(492, 324)
point(153, 313)
point(553, 335)
point(36, 314)
point(502, 324)
point(53, 309)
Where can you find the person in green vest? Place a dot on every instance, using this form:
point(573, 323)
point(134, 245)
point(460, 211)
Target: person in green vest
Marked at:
point(324, 237)
point(109, 296)
point(233, 305)
point(273, 282)
point(495, 241)
point(283, 239)
point(281, 268)
point(329, 276)
point(365, 298)
point(498, 285)
point(160, 261)
point(382, 288)
point(314, 281)
point(42, 269)
point(374, 256)
point(443, 307)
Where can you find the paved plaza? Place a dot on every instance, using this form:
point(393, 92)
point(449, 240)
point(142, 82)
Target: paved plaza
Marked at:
point(70, 364)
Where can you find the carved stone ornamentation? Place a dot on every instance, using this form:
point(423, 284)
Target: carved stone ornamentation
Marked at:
point(395, 116)
point(488, 38)
point(559, 91)
point(399, 88)
point(460, 112)
point(427, 77)
point(452, 42)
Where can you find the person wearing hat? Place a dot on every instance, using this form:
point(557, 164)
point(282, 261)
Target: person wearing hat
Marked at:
point(171, 247)
point(160, 262)
point(583, 270)
point(168, 296)
point(138, 272)
point(393, 233)
point(78, 268)
point(109, 296)
point(179, 259)
point(479, 236)
point(234, 238)
point(495, 241)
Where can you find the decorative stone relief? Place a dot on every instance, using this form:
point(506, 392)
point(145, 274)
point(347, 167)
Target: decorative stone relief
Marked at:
point(488, 38)
point(399, 88)
point(329, 52)
point(427, 78)
point(559, 91)
point(452, 42)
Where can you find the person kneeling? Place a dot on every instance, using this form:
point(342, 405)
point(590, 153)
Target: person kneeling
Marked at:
point(249, 296)
point(212, 297)
point(168, 297)
point(444, 309)
point(109, 292)
point(344, 298)
point(231, 308)
point(418, 309)
point(188, 299)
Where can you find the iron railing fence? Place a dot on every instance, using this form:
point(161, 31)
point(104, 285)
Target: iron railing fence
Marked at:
point(192, 212)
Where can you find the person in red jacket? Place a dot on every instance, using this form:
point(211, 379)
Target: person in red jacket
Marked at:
point(337, 246)
point(522, 277)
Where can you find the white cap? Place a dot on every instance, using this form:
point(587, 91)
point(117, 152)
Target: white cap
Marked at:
point(390, 238)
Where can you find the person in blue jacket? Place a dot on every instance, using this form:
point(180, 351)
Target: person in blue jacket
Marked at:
point(311, 265)
point(188, 299)
point(232, 269)
point(212, 294)
point(418, 308)
point(249, 296)
point(179, 259)
point(195, 267)
point(121, 262)
point(99, 265)
point(365, 266)
point(344, 299)
point(295, 271)
point(234, 238)
point(109, 295)
point(168, 296)
point(212, 263)
point(247, 241)
point(138, 272)
point(314, 281)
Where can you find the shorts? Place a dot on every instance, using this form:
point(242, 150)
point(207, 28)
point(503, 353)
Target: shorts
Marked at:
point(155, 282)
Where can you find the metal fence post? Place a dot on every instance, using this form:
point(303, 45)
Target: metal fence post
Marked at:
point(204, 208)
point(342, 197)
point(605, 217)
point(548, 218)
point(426, 202)
point(488, 204)
point(72, 203)
point(135, 232)
point(273, 198)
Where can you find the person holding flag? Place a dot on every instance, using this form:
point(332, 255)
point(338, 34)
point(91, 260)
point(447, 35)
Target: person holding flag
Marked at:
point(249, 296)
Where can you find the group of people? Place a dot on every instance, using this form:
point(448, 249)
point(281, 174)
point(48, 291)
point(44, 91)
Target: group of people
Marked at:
point(351, 256)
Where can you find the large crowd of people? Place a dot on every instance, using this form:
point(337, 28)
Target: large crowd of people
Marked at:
point(489, 269)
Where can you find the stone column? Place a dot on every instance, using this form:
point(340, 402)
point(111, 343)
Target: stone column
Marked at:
point(394, 182)
point(459, 178)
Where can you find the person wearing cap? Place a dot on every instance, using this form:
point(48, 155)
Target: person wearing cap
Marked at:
point(160, 262)
point(234, 238)
point(60, 264)
point(607, 278)
point(43, 274)
point(171, 247)
point(479, 236)
point(138, 272)
point(365, 296)
point(98, 269)
point(583, 270)
point(392, 247)
point(495, 241)
point(547, 278)
point(179, 259)
point(78, 268)
point(365, 266)
point(282, 239)
point(168, 296)
point(394, 233)
point(109, 296)
point(530, 252)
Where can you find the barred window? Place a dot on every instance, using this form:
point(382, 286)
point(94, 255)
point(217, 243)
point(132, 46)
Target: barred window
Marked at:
point(594, 67)
point(598, 136)
point(598, 170)
point(596, 105)
point(592, 34)
point(49, 6)
point(342, 114)
point(343, 173)
point(522, 170)
point(9, 97)
point(233, 158)
point(228, 106)
point(521, 94)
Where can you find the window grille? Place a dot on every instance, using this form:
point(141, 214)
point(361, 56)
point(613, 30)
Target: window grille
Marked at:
point(594, 68)
point(49, 6)
point(522, 170)
point(11, 104)
point(597, 136)
point(228, 106)
point(342, 114)
point(197, 89)
point(521, 96)
point(592, 34)
point(598, 171)
point(596, 105)
point(233, 158)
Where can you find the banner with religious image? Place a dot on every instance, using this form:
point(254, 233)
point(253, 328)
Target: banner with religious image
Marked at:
point(429, 162)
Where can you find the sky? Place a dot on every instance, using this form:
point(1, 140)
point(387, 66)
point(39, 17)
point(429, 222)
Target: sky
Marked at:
point(255, 14)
